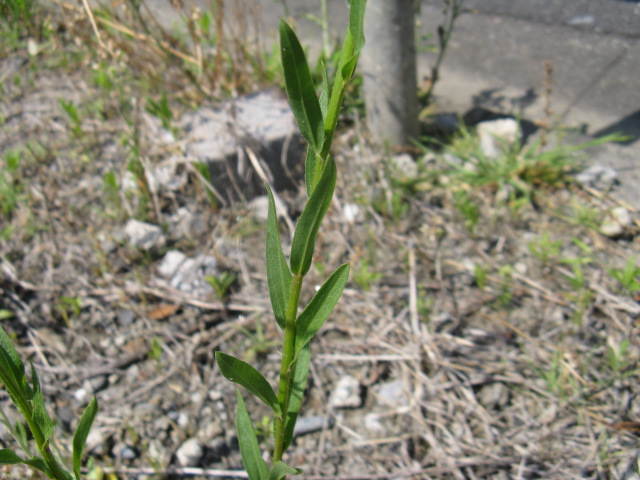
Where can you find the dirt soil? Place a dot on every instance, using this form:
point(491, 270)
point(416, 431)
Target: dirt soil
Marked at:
point(474, 350)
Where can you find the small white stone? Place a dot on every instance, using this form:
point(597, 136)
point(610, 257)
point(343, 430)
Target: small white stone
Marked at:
point(170, 263)
point(259, 206)
point(373, 424)
point(404, 167)
point(351, 213)
point(616, 222)
point(144, 235)
point(393, 394)
point(189, 453)
point(346, 393)
point(495, 135)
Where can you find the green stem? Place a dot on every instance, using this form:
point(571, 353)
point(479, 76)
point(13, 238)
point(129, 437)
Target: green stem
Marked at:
point(57, 473)
point(287, 366)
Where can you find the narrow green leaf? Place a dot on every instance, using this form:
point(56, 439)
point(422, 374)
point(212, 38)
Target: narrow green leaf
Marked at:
point(41, 417)
point(304, 238)
point(254, 464)
point(244, 374)
point(12, 369)
point(300, 88)
point(310, 170)
point(278, 274)
point(82, 432)
point(280, 470)
point(348, 69)
point(324, 93)
point(356, 23)
point(40, 464)
point(8, 457)
point(321, 305)
point(297, 392)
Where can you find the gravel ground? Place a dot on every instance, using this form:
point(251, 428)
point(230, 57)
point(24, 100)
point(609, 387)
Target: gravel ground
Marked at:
point(491, 344)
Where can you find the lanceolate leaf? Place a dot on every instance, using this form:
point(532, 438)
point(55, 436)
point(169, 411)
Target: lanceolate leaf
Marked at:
point(324, 93)
point(300, 88)
point(280, 470)
point(82, 432)
point(41, 417)
point(278, 274)
point(321, 305)
point(244, 374)
point(297, 392)
point(356, 23)
point(12, 371)
point(304, 238)
point(8, 457)
point(255, 466)
point(40, 464)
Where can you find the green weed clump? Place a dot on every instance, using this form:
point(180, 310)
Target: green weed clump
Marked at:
point(317, 119)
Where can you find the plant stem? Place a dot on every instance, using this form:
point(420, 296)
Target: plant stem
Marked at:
point(288, 365)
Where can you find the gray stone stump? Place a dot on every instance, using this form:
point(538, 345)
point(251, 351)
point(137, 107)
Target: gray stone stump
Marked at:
point(389, 70)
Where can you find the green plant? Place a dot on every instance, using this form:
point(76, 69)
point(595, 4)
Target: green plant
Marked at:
point(617, 356)
point(75, 122)
point(28, 400)
point(480, 275)
point(221, 283)
point(68, 307)
point(10, 186)
point(627, 276)
point(317, 119)
point(544, 248)
point(364, 277)
point(161, 109)
point(469, 210)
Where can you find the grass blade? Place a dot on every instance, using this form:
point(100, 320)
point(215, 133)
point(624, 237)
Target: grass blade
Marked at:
point(244, 374)
point(255, 466)
point(82, 432)
point(300, 88)
point(278, 273)
point(304, 238)
point(321, 305)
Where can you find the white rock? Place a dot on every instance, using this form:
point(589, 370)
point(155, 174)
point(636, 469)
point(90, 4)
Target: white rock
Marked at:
point(189, 453)
point(259, 206)
point(170, 263)
point(393, 394)
point(144, 235)
point(166, 177)
point(191, 275)
point(616, 222)
point(373, 424)
point(495, 135)
point(404, 166)
point(346, 393)
point(352, 213)
point(598, 176)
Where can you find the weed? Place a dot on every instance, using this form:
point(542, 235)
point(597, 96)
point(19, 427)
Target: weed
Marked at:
point(69, 307)
point(75, 122)
point(627, 276)
point(544, 249)
point(28, 400)
point(364, 277)
point(617, 356)
point(469, 210)
point(221, 284)
point(162, 110)
point(10, 186)
point(480, 275)
point(317, 119)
